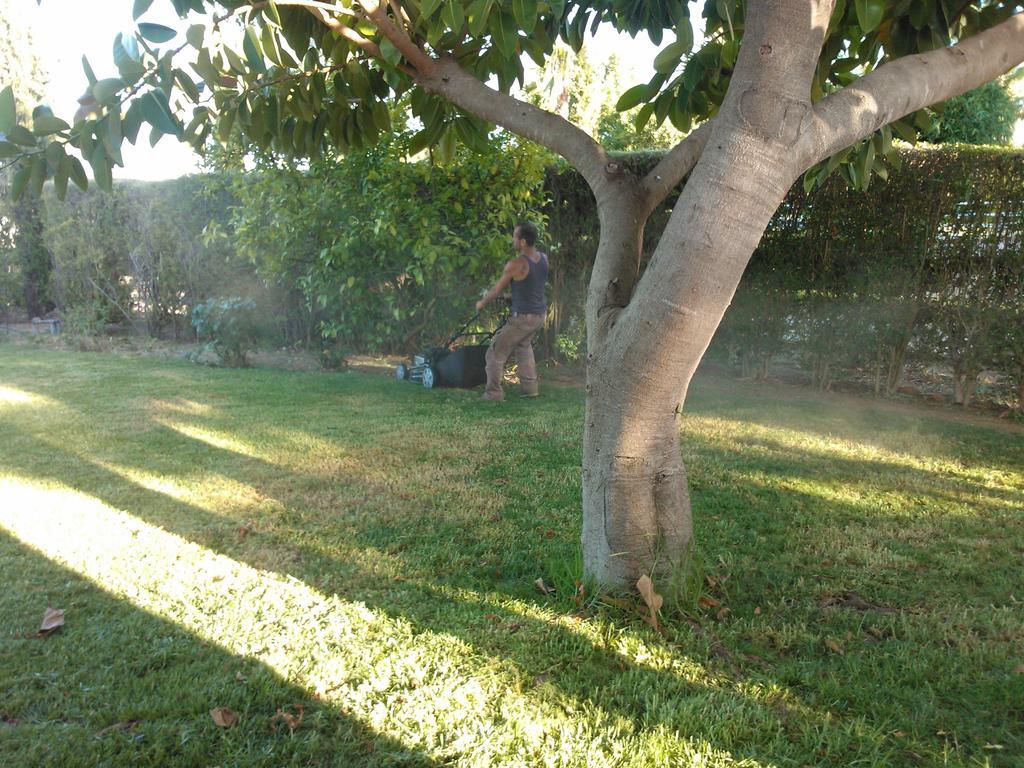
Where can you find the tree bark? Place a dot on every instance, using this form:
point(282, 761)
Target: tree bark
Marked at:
point(636, 504)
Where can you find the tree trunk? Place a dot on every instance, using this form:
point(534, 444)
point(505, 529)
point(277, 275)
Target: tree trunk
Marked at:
point(636, 506)
point(898, 355)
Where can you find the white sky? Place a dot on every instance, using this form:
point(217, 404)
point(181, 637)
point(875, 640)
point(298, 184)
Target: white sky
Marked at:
point(89, 28)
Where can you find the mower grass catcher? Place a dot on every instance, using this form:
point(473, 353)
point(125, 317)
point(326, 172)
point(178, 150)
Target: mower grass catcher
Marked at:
point(445, 366)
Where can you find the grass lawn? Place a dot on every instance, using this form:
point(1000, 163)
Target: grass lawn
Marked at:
point(348, 563)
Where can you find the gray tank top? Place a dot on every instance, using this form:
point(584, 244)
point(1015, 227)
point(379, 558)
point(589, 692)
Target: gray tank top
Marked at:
point(528, 293)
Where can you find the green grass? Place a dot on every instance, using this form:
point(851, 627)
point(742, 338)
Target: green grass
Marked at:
point(365, 550)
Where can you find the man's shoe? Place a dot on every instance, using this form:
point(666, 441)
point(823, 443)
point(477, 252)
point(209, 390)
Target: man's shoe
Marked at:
point(492, 397)
point(529, 394)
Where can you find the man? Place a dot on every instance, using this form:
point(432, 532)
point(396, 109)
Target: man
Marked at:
point(527, 274)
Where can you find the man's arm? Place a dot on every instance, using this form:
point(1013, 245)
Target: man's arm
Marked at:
point(513, 270)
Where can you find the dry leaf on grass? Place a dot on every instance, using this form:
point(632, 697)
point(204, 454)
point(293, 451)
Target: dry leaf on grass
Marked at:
point(53, 619)
point(223, 717)
point(646, 589)
point(833, 646)
point(292, 722)
point(1019, 669)
point(708, 602)
point(544, 588)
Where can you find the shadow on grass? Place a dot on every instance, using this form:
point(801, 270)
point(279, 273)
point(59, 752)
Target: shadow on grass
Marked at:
point(401, 525)
point(118, 685)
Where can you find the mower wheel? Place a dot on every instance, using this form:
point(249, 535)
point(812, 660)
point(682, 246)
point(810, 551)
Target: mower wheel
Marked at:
point(402, 372)
point(429, 377)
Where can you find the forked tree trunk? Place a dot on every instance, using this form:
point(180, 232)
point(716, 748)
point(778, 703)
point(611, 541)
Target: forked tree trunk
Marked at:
point(636, 505)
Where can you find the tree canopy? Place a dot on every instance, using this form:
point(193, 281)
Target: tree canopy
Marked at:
point(298, 75)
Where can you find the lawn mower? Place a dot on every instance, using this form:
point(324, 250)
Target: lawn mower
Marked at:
point(448, 366)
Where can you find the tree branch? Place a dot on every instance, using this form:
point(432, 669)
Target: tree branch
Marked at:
point(345, 31)
point(673, 167)
point(414, 54)
point(445, 77)
point(908, 84)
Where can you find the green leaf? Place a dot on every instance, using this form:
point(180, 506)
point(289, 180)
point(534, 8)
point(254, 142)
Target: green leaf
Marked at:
point(128, 64)
point(428, 7)
point(140, 7)
point(226, 124)
point(270, 45)
point(89, 74)
point(157, 112)
point(389, 52)
point(270, 12)
point(20, 135)
point(101, 169)
point(38, 177)
point(195, 35)
point(668, 58)
point(20, 181)
point(132, 122)
point(251, 48)
point(47, 124)
point(525, 13)
point(8, 110)
point(381, 117)
point(809, 178)
point(157, 33)
point(905, 132)
point(53, 154)
point(78, 176)
point(869, 13)
point(187, 84)
point(107, 88)
point(635, 95)
point(453, 15)
point(60, 177)
point(505, 33)
point(477, 17)
point(446, 147)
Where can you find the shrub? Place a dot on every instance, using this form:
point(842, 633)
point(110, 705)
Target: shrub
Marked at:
point(230, 325)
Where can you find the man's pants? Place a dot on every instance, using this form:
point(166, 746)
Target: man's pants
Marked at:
point(514, 336)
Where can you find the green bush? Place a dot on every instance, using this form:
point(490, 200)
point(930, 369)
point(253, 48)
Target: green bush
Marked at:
point(230, 327)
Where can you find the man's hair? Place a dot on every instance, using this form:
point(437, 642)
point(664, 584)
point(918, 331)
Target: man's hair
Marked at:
point(527, 232)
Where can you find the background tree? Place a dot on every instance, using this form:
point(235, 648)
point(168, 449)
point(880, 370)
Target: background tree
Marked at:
point(778, 88)
point(24, 260)
point(986, 115)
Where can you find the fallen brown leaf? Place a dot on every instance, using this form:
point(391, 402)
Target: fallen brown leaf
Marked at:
point(1019, 669)
point(724, 612)
point(618, 602)
point(544, 588)
point(653, 600)
point(581, 593)
point(53, 619)
point(833, 646)
point(757, 611)
point(223, 717)
point(292, 722)
point(708, 602)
